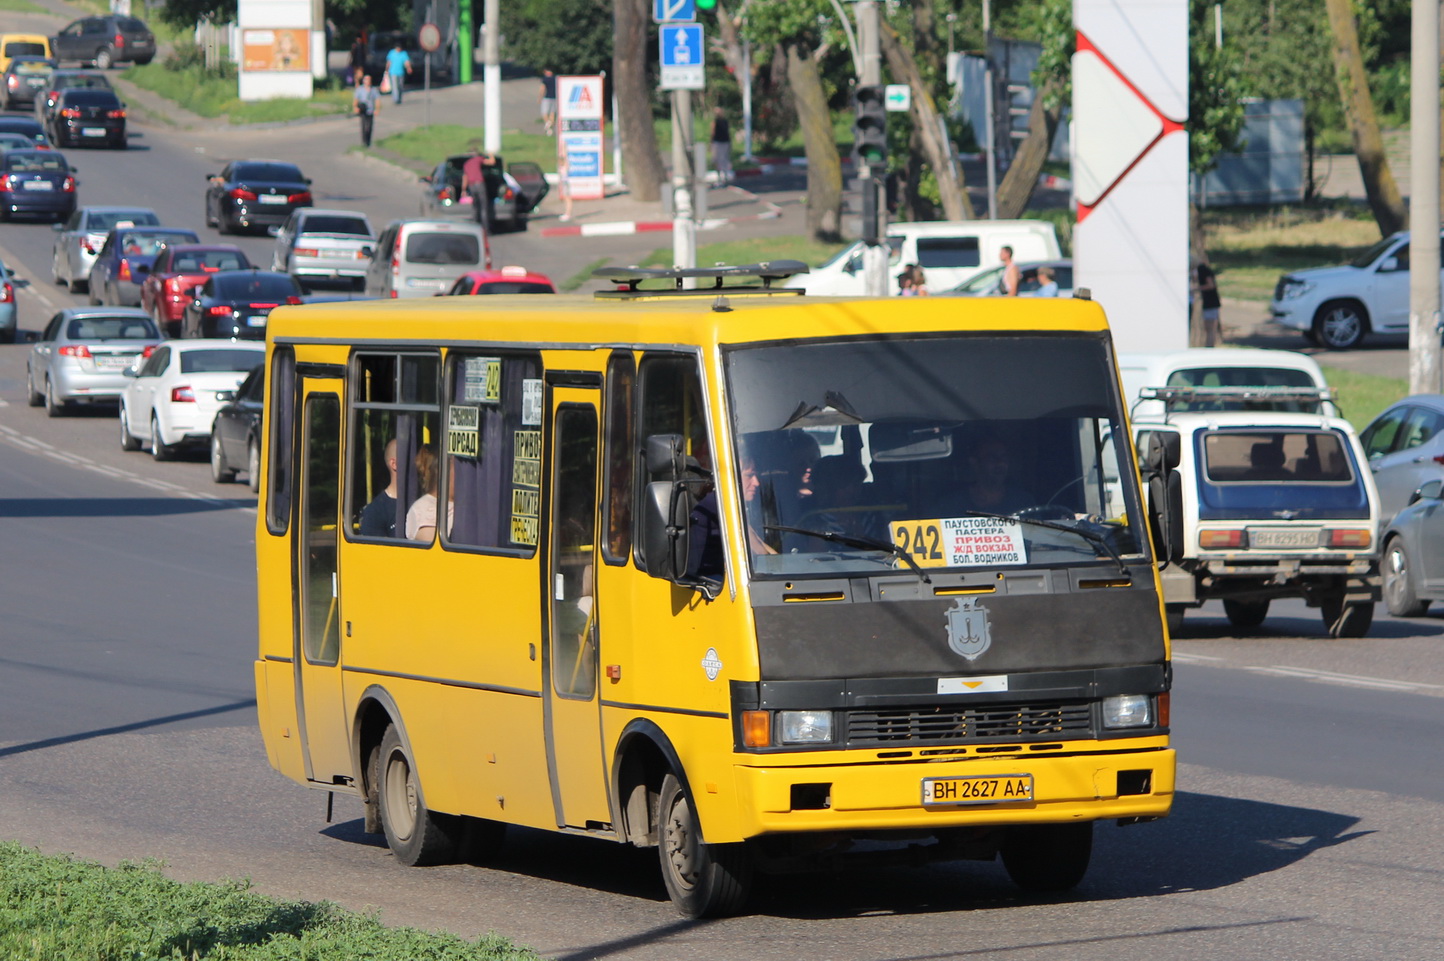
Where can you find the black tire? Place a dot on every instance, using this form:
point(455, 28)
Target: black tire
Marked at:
point(54, 406)
point(159, 449)
point(415, 835)
point(221, 472)
point(1246, 613)
point(1347, 620)
point(8, 336)
point(33, 397)
point(1048, 858)
point(1173, 614)
point(1399, 594)
point(253, 466)
point(1341, 325)
point(77, 286)
point(703, 880)
point(128, 441)
point(104, 58)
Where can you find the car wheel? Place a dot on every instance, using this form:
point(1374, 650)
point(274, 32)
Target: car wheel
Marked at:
point(76, 284)
point(54, 406)
point(1350, 619)
point(210, 220)
point(159, 449)
point(1399, 594)
point(253, 466)
point(128, 441)
point(32, 396)
point(104, 58)
point(703, 880)
point(1341, 325)
point(1048, 858)
point(221, 472)
point(416, 835)
point(55, 267)
point(1246, 613)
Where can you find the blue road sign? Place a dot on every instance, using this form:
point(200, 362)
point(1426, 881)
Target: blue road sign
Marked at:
point(681, 44)
point(664, 11)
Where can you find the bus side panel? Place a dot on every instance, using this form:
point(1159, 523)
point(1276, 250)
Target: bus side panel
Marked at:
point(455, 638)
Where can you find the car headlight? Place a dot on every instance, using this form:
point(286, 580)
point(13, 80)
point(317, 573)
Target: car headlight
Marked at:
point(1127, 710)
point(1291, 288)
point(804, 727)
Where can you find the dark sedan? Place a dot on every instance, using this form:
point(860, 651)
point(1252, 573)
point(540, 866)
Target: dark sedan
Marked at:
point(36, 183)
point(65, 80)
point(236, 303)
point(175, 275)
point(28, 127)
point(25, 81)
point(250, 194)
point(125, 260)
point(516, 190)
point(86, 117)
point(236, 433)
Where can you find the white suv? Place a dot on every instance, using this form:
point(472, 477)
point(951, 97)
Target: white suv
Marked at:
point(1336, 307)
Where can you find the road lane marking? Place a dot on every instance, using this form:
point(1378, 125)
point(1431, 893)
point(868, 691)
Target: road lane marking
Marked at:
point(1311, 674)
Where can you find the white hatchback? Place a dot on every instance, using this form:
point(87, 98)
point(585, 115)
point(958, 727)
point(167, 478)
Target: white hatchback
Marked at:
point(171, 399)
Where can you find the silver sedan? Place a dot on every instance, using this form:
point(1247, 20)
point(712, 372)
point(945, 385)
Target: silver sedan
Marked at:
point(78, 240)
point(83, 353)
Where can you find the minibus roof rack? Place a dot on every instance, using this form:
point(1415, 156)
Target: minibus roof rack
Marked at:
point(629, 280)
point(1192, 394)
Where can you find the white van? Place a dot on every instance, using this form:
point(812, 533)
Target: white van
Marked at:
point(422, 258)
point(950, 252)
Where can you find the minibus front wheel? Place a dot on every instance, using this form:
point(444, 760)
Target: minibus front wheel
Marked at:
point(703, 880)
point(1048, 858)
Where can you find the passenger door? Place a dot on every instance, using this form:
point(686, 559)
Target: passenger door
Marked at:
point(317, 616)
point(571, 703)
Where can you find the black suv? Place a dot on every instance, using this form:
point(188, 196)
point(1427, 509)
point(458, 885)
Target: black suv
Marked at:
point(104, 41)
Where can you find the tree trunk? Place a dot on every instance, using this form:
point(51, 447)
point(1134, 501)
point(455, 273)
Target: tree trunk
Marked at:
point(919, 208)
point(951, 189)
point(644, 171)
point(1358, 104)
point(1021, 180)
point(824, 167)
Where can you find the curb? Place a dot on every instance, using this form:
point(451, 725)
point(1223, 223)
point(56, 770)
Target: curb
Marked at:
point(622, 227)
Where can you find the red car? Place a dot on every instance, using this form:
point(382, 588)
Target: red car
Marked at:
point(178, 271)
point(507, 280)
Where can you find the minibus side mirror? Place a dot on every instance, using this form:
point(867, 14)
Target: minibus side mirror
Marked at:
point(1161, 458)
point(666, 512)
point(664, 455)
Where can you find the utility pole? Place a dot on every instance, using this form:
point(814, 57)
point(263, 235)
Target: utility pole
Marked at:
point(871, 167)
point(1424, 333)
point(684, 228)
point(491, 77)
point(990, 145)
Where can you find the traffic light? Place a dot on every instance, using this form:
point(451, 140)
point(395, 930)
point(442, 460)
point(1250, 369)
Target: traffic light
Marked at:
point(869, 125)
point(706, 4)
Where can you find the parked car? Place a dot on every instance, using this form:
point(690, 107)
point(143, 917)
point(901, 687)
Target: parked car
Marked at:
point(1405, 448)
point(178, 270)
point(80, 238)
point(15, 141)
point(27, 128)
point(1337, 307)
point(126, 257)
point(9, 313)
point(986, 283)
point(419, 258)
point(86, 117)
point(25, 80)
point(950, 253)
point(105, 41)
point(1413, 565)
point(82, 353)
point(317, 244)
point(255, 193)
point(36, 183)
point(65, 80)
point(517, 189)
point(170, 401)
point(23, 45)
point(236, 432)
point(507, 280)
point(236, 303)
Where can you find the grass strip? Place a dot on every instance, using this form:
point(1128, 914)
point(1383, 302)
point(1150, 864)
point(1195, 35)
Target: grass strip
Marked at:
point(752, 251)
point(21, 6)
point(207, 95)
point(1362, 397)
point(60, 909)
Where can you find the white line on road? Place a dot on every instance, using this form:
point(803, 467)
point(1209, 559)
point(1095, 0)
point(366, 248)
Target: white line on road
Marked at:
point(1309, 674)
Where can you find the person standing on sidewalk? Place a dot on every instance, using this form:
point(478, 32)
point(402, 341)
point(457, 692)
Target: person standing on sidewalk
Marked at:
point(1207, 285)
point(721, 147)
point(547, 98)
point(364, 105)
point(398, 65)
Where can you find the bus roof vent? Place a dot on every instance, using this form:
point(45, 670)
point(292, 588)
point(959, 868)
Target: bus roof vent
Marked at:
point(707, 281)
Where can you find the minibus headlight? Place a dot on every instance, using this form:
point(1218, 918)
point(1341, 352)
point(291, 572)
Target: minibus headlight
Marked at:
point(804, 727)
point(1127, 710)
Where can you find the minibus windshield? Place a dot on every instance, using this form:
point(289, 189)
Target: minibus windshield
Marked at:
point(958, 452)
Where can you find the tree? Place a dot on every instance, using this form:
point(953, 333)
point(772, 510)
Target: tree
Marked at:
point(1358, 103)
point(1053, 90)
point(633, 90)
point(569, 36)
point(927, 127)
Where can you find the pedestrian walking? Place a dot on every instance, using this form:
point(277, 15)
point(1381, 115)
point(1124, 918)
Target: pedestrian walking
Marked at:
point(547, 98)
point(564, 186)
point(358, 58)
point(398, 66)
point(364, 105)
point(721, 146)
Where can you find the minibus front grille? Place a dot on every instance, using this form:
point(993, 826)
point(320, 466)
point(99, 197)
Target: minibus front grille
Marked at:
point(951, 725)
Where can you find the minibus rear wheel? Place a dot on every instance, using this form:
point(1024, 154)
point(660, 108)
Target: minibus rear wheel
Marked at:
point(703, 880)
point(416, 836)
point(1048, 858)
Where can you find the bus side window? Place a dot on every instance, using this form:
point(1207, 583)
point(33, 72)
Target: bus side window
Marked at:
point(670, 401)
point(621, 455)
point(394, 412)
point(493, 445)
point(282, 412)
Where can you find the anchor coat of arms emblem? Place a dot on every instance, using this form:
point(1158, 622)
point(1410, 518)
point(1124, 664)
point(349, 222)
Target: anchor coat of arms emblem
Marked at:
point(968, 632)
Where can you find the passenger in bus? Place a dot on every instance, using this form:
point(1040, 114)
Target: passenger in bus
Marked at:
point(378, 518)
point(992, 485)
point(421, 517)
point(751, 490)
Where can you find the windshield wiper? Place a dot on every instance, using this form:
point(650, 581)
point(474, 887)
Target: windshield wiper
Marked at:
point(1090, 536)
point(853, 540)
